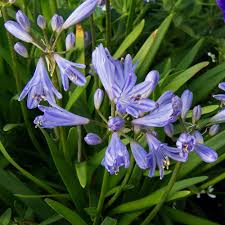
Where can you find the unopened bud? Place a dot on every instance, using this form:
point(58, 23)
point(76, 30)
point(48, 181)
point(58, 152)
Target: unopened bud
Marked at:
point(98, 98)
point(92, 139)
point(70, 41)
point(41, 22)
point(21, 49)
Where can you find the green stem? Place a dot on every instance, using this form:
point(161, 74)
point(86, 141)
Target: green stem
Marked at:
point(125, 180)
point(213, 181)
point(93, 32)
point(165, 195)
point(18, 88)
point(108, 25)
point(102, 116)
point(79, 144)
point(130, 17)
point(102, 197)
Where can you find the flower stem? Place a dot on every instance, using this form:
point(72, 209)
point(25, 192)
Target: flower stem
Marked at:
point(108, 25)
point(165, 195)
point(93, 32)
point(79, 144)
point(102, 196)
point(18, 89)
point(125, 180)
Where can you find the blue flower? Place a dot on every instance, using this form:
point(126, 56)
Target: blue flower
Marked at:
point(220, 97)
point(80, 13)
point(68, 71)
point(39, 87)
point(116, 123)
point(116, 155)
point(92, 139)
point(17, 31)
point(221, 4)
point(167, 110)
point(186, 98)
point(56, 23)
point(119, 82)
point(23, 20)
point(21, 49)
point(188, 143)
point(55, 116)
point(158, 155)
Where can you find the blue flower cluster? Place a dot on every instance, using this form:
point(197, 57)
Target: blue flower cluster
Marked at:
point(134, 115)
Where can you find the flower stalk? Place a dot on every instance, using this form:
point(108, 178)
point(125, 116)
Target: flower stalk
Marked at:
point(165, 195)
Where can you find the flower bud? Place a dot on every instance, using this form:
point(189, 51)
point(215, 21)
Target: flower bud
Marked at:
point(80, 13)
point(98, 98)
point(56, 23)
point(196, 113)
point(169, 130)
point(41, 22)
point(92, 139)
point(21, 49)
point(214, 129)
point(16, 30)
point(186, 98)
point(23, 20)
point(70, 41)
point(115, 123)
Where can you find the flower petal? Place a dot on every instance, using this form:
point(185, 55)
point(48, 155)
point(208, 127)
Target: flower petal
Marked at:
point(206, 153)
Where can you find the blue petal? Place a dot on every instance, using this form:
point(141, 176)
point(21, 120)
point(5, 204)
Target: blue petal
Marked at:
point(206, 153)
point(186, 98)
point(220, 97)
point(140, 155)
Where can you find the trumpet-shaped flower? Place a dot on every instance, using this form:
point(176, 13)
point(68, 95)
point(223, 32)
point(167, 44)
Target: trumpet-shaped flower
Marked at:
point(39, 87)
point(167, 110)
point(55, 116)
point(188, 143)
point(116, 155)
point(68, 72)
point(158, 155)
point(119, 82)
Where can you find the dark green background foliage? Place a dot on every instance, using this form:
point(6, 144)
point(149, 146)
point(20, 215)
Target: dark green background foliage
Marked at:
point(37, 184)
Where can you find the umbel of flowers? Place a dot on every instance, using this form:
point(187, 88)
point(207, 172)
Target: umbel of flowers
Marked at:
point(134, 116)
point(40, 86)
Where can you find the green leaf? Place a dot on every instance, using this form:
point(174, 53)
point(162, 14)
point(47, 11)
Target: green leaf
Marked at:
point(13, 185)
point(5, 217)
point(147, 53)
point(190, 56)
point(128, 218)
point(51, 220)
point(155, 197)
point(215, 143)
point(81, 169)
point(76, 94)
point(186, 218)
point(210, 79)
point(37, 181)
point(129, 40)
point(183, 77)
point(68, 214)
point(11, 126)
point(66, 172)
point(109, 221)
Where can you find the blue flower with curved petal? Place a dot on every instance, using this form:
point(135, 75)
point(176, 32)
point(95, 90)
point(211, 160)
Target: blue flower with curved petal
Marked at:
point(188, 143)
point(68, 72)
point(40, 87)
point(55, 116)
point(116, 155)
point(158, 155)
